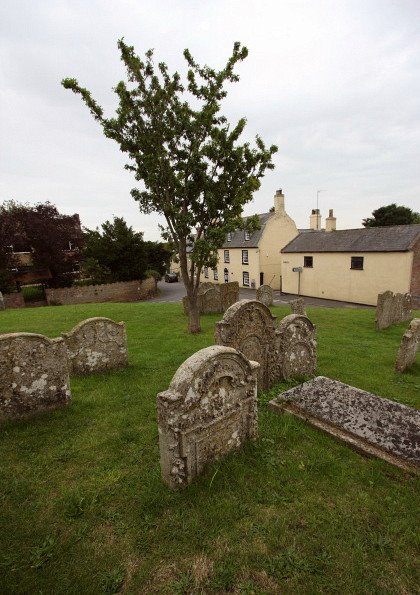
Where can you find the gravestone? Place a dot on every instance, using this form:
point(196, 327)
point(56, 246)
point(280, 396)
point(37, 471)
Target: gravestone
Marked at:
point(298, 306)
point(209, 409)
point(369, 423)
point(296, 346)
point(248, 326)
point(265, 295)
point(96, 345)
point(392, 309)
point(210, 301)
point(33, 374)
point(2, 306)
point(229, 293)
point(409, 345)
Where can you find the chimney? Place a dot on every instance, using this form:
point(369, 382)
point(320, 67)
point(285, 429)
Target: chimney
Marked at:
point(315, 219)
point(330, 222)
point(279, 202)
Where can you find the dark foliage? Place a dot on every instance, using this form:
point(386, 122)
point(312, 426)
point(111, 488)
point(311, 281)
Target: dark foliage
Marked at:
point(391, 215)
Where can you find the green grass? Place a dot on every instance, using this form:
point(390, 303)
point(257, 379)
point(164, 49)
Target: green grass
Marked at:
point(83, 508)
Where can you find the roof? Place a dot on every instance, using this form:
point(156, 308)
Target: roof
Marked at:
point(238, 236)
point(395, 238)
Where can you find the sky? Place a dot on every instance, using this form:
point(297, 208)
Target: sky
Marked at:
point(335, 84)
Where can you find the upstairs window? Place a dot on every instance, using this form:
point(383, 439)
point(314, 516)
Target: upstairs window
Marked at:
point(245, 257)
point(206, 272)
point(308, 261)
point(245, 279)
point(357, 263)
point(247, 235)
point(229, 236)
point(215, 275)
point(226, 256)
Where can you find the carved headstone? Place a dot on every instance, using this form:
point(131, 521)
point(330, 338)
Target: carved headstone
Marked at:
point(96, 345)
point(248, 326)
point(265, 295)
point(209, 409)
point(205, 286)
point(2, 306)
point(33, 374)
point(298, 306)
point(409, 345)
point(229, 293)
point(210, 300)
point(392, 309)
point(296, 345)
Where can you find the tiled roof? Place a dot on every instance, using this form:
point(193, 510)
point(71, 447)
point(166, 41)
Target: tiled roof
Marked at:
point(238, 236)
point(395, 238)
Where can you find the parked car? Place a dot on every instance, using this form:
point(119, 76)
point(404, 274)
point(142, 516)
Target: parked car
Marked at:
point(171, 278)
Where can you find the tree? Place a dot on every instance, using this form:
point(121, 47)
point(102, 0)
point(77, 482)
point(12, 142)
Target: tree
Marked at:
point(391, 215)
point(48, 234)
point(158, 256)
point(193, 170)
point(118, 249)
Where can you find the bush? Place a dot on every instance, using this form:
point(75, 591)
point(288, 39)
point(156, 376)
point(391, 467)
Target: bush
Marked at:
point(155, 274)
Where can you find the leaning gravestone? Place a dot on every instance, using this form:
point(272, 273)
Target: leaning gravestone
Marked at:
point(392, 309)
point(298, 306)
point(369, 423)
point(265, 295)
point(409, 345)
point(296, 346)
point(229, 293)
point(209, 409)
point(248, 326)
point(33, 374)
point(96, 345)
point(2, 306)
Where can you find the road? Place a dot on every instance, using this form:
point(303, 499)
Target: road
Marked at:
point(174, 292)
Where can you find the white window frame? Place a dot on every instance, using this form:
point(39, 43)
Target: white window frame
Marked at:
point(245, 275)
point(247, 235)
point(229, 236)
point(226, 256)
point(206, 272)
point(245, 257)
point(215, 275)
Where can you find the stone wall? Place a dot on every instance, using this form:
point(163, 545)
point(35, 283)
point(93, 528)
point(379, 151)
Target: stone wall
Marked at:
point(129, 291)
point(33, 374)
point(392, 309)
point(209, 409)
point(13, 300)
point(96, 345)
point(415, 275)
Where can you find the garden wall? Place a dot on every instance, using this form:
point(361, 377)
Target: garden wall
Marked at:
point(129, 291)
point(13, 300)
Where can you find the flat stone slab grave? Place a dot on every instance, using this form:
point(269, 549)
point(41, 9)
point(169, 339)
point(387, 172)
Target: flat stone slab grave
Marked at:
point(374, 425)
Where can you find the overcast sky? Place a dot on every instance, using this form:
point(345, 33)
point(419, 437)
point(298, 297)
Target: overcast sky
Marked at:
point(334, 83)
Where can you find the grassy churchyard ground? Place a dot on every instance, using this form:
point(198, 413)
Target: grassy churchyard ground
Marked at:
point(83, 508)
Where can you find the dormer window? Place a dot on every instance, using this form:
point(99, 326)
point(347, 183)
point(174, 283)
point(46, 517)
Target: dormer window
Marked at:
point(247, 235)
point(229, 236)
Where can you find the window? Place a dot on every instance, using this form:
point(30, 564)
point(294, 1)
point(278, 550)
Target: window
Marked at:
point(206, 272)
point(247, 235)
point(215, 275)
point(308, 261)
point(226, 256)
point(244, 256)
point(245, 279)
point(357, 263)
point(229, 236)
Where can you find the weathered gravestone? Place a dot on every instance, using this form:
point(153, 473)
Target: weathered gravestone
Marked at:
point(209, 409)
point(392, 309)
point(229, 293)
point(296, 346)
point(248, 326)
point(96, 345)
point(372, 424)
point(265, 295)
point(409, 345)
point(33, 374)
point(298, 306)
point(2, 306)
point(210, 300)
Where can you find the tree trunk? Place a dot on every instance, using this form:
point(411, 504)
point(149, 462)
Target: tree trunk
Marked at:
point(194, 316)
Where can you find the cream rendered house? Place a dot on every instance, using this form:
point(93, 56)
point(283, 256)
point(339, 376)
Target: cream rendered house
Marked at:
point(352, 265)
point(254, 259)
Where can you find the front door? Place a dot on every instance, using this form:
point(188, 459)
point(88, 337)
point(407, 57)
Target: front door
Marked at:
point(261, 279)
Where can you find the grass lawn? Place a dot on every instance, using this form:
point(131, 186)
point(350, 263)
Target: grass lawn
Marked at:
point(83, 509)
